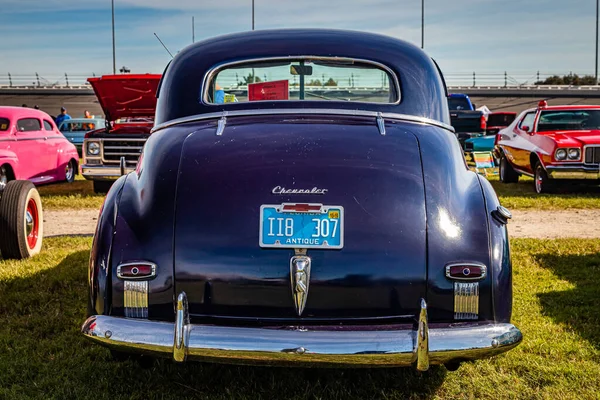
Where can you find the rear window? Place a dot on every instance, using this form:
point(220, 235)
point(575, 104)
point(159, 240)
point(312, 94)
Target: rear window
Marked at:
point(29, 124)
point(303, 79)
point(458, 103)
point(70, 126)
point(500, 119)
point(4, 124)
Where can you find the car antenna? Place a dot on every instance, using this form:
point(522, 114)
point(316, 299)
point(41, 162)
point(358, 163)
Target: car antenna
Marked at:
point(161, 42)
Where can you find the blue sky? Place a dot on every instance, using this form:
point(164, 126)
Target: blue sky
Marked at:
point(74, 36)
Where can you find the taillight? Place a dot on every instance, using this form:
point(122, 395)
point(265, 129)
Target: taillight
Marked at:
point(136, 270)
point(482, 123)
point(465, 271)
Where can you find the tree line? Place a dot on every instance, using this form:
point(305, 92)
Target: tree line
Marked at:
point(571, 79)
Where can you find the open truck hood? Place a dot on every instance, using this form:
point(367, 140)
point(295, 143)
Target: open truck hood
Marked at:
point(126, 96)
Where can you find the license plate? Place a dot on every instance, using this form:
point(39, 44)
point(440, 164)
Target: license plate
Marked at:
point(292, 225)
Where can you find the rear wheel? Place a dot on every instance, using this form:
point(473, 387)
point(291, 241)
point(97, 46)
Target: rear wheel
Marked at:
point(541, 182)
point(70, 171)
point(102, 186)
point(507, 172)
point(21, 220)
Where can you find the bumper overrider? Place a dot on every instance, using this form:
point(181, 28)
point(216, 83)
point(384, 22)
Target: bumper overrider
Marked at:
point(420, 345)
point(573, 171)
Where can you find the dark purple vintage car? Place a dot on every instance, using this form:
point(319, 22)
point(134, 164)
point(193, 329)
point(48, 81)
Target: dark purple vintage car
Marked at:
point(303, 200)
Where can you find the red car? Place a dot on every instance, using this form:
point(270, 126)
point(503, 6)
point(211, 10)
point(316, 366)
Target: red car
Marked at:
point(32, 148)
point(550, 144)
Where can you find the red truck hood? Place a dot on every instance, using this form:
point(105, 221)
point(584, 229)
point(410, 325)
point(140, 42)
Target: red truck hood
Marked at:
point(575, 138)
point(126, 96)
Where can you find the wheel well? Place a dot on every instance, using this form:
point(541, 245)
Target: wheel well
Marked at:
point(9, 171)
point(76, 166)
point(533, 160)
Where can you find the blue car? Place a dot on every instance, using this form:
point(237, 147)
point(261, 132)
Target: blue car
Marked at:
point(74, 129)
point(299, 225)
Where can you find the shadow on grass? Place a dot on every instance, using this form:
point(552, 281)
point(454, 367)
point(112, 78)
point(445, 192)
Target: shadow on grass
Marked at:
point(565, 190)
point(44, 356)
point(576, 308)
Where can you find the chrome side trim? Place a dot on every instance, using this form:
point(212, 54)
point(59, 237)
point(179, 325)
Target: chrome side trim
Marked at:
point(135, 299)
point(182, 322)
point(466, 300)
point(423, 339)
point(299, 345)
point(304, 111)
point(208, 77)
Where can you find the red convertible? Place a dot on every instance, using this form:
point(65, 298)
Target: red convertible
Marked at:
point(551, 143)
point(32, 148)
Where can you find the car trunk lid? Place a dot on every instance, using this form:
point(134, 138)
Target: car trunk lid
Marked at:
point(347, 166)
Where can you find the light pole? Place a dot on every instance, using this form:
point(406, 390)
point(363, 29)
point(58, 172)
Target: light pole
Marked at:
point(596, 69)
point(113, 37)
point(423, 24)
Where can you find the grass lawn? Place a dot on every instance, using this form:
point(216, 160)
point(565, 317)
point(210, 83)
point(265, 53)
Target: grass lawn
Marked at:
point(79, 194)
point(43, 303)
point(522, 196)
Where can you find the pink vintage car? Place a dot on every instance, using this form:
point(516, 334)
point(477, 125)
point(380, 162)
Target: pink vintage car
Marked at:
point(32, 148)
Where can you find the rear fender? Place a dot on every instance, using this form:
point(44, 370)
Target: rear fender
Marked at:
point(500, 269)
point(457, 227)
point(99, 269)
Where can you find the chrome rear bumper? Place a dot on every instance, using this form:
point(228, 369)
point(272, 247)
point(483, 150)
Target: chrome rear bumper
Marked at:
point(297, 346)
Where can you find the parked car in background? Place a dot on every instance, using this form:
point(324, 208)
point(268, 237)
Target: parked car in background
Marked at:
point(494, 122)
point(32, 148)
point(284, 228)
point(466, 120)
point(129, 103)
point(74, 129)
point(551, 144)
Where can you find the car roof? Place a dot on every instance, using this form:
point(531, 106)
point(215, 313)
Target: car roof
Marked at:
point(423, 93)
point(12, 112)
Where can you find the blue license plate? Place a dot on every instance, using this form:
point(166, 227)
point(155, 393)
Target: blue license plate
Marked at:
point(292, 225)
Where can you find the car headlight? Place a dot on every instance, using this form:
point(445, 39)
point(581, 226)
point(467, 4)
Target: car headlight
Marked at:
point(93, 148)
point(574, 154)
point(561, 154)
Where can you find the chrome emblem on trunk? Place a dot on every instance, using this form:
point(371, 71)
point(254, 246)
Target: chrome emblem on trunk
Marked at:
point(300, 278)
point(283, 190)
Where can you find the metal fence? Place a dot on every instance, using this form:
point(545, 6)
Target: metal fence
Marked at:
point(453, 79)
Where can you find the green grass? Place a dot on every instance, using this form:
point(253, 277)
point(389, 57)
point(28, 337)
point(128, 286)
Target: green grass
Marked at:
point(522, 196)
point(43, 303)
point(79, 194)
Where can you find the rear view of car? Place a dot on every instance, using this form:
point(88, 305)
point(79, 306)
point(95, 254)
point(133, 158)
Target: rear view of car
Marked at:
point(287, 223)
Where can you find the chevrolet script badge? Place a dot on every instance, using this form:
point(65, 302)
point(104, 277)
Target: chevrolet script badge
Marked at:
point(300, 278)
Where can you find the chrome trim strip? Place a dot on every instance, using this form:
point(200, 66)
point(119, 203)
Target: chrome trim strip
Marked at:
point(466, 300)
point(127, 264)
point(423, 339)
point(467, 264)
point(300, 345)
point(214, 70)
point(135, 299)
point(181, 333)
point(303, 111)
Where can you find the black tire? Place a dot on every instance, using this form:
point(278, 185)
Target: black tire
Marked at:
point(4, 177)
point(507, 172)
point(21, 221)
point(541, 182)
point(70, 171)
point(102, 186)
